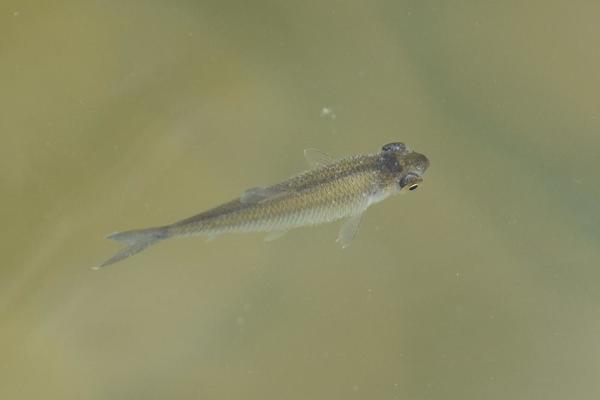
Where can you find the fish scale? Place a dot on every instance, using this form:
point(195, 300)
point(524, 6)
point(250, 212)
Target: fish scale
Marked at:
point(327, 203)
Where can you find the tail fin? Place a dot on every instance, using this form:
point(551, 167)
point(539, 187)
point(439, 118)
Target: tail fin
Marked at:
point(136, 241)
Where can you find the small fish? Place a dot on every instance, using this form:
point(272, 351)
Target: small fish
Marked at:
point(331, 190)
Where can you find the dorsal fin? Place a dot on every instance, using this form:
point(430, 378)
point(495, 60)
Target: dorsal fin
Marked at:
point(258, 194)
point(317, 158)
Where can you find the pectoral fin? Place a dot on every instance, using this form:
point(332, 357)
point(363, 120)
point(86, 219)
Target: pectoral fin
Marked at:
point(349, 230)
point(316, 158)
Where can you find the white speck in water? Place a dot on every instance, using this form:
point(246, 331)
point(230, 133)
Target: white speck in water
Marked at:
point(240, 320)
point(328, 112)
point(16, 14)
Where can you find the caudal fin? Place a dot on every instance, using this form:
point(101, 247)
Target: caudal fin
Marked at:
point(136, 241)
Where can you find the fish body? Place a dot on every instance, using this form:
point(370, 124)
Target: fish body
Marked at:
point(331, 190)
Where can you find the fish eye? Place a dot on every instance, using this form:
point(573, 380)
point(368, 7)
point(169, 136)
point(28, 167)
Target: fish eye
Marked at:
point(411, 181)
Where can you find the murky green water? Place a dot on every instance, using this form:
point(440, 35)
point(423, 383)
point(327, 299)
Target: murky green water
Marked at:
point(483, 284)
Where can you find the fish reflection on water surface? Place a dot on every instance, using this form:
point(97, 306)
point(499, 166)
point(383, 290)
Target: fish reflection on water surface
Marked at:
point(333, 189)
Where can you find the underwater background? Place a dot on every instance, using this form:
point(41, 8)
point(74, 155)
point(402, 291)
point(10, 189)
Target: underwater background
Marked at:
point(482, 284)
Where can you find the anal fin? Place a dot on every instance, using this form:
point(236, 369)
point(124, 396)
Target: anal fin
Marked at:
point(273, 235)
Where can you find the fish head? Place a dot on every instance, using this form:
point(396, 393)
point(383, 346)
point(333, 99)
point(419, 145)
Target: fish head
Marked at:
point(404, 168)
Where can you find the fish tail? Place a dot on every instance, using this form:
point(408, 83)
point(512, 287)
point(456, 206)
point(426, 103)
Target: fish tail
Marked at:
point(135, 241)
